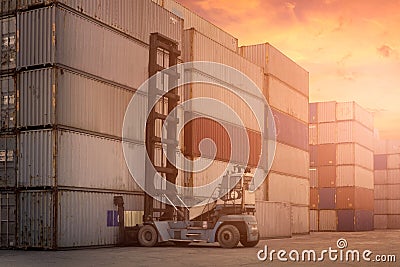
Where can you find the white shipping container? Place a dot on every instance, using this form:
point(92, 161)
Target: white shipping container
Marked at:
point(198, 47)
point(287, 100)
point(300, 220)
point(291, 160)
point(192, 20)
point(313, 134)
point(314, 220)
point(352, 111)
point(63, 97)
point(326, 111)
point(354, 132)
point(380, 206)
point(380, 221)
point(351, 153)
point(285, 188)
point(273, 219)
point(381, 177)
point(393, 161)
point(393, 177)
point(69, 158)
point(351, 175)
point(327, 133)
point(136, 18)
point(327, 220)
point(70, 218)
point(115, 59)
point(279, 65)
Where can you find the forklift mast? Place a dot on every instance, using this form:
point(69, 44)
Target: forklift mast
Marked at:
point(159, 115)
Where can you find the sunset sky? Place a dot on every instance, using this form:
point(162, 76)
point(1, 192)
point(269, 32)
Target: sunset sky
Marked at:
point(351, 48)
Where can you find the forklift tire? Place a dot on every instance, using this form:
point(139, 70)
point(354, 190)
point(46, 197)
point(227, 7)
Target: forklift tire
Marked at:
point(249, 244)
point(147, 236)
point(228, 236)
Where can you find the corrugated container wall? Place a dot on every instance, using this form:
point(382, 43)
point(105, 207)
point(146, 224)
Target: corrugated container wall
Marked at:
point(9, 43)
point(8, 103)
point(8, 219)
point(136, 18)
point(274, 219)
point(8, 160)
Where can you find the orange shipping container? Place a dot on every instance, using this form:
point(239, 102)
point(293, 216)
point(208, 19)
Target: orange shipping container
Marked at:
point(354, 198)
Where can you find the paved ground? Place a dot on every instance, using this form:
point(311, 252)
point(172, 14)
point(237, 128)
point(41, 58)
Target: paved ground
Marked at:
point(379, 242)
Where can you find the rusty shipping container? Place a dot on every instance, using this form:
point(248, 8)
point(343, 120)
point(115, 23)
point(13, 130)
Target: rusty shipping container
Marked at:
point(274, 219)
point(8, 219)
point(8, 161)
point(290, 131)
point(275, 63)
point(69, 158)
point(354, 198)
point(193, 20)
point(115, 60)
point(67, 218)
point(136, 18)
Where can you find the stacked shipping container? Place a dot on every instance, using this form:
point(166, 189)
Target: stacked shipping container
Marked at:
point(341, 167)
point(387, 184)
point(286, 90)
point(73, 74)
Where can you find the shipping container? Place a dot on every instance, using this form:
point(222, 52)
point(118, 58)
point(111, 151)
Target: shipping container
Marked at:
point(230, 142)
point(290, 131)
point(136, 18)
point(193, 20)
point(393, 221)
point(8, 104)
point(261, 193)
point(381, 177)
point(393, 161)
point(393, 147)
point(380, 222)
point(286, 100)
point(115, 60)
point(313, 113)
point(313, 155)
point(346, 220)
point(351, 175)
point(352, 111)
point(354, 132)
point(65, 219)
point(277, 64)
point(326, 111)
point(313, 177)
point(394, 205)
point(354, 198)
point(393, 177)
point(387, 191)
point(313, 134)
point(313, 198)
point(7, 7)
point(314, 220)
point(327, 220)
point(351, 153)
point(326, 198)
point(379, 145)
point(8, 43)
point(199, 47)
point(291, 160)
point(8, 219)
point(285, 188)
point(364, 220)
point(380, 162)
point(273, 219)
point(380, 206)
point(327, 133)
point(69, 158)
point(326, 155)
point(8, 160)
point(326, 176)
point(300, 220)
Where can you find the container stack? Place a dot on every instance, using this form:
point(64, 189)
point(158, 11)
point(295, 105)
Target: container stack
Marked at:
point(341, 167)
point(387, 184)
point(8, 133)
point(77, 67)
point(286, 90)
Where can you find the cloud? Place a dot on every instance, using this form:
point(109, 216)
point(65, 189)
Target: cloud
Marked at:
point(387, 51)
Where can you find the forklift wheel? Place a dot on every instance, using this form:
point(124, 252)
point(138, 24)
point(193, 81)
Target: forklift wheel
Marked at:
point(249, 244)
point(228, 236)
point(147, 236)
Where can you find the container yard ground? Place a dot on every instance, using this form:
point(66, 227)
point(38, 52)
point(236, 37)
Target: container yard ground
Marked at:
point(380, 242)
